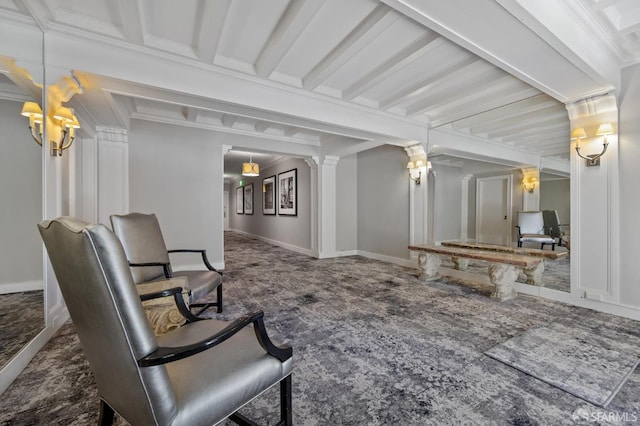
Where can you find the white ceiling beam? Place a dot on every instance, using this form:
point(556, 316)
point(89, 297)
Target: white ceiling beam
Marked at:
point(222, 89)
point(294, 20)
point(530, 120)
point(208, 28)
point(129, 14)
point(514, 117)
point(577, 63)
point(368, 29)
point(388, 68)
point(522, 107)
point(459, 64)
point(443, 94)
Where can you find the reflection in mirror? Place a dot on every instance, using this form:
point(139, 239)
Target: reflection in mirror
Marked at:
point(453, 187)
point(21, 275)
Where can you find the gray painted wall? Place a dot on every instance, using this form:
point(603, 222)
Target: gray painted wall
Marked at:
point(347, 203)
point(176, 173)
point(556, 195)
point(629, 154)
point(293, 230)
point(448, 203)
point(21, 192)
point(383, 202)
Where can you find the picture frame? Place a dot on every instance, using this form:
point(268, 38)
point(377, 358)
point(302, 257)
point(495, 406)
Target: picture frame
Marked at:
point(269, 195)
point(239, 200)
point(248, 199)
point(288, 193)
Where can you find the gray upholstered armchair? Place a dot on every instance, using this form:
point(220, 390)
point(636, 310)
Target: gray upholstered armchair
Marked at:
point(198, 374)
point(148, 257)
point(531, 229)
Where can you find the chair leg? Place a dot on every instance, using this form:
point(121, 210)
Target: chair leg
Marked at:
point(219, 290)
point(286, 411)
point(106, 414)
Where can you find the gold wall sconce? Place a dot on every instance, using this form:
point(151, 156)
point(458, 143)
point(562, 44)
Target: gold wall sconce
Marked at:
point(603, 130)
point(529, 184)
point(63, 117)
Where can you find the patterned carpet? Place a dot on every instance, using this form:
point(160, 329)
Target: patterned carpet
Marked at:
point(372, 346)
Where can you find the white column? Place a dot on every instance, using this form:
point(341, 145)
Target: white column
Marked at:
point(464, 219)
point(595, 235)
point(313, 208)
point(113, 173)
point(418, 197)
point(327, 206)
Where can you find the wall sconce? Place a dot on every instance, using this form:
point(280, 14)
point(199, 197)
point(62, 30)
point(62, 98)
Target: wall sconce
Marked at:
point(68, 124)
point(417, 166)
point(34, 112)
point(63, 117)
point(411, 167)
point(603, 130)
point(529, 184)
point(250, 168)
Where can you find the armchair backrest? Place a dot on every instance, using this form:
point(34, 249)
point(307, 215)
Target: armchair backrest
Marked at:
point(142, 241)
point(552, 222)
point(93, 274)
point(531, 222)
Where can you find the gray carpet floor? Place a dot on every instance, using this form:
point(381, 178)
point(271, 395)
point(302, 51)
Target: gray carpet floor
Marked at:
point(373, 345)
point(21, 319)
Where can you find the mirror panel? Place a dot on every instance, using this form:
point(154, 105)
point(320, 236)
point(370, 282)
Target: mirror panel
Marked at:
point(21, 180)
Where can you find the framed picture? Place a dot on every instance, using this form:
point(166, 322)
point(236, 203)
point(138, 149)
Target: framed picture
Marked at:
point(248, 199)
point(239, 200)
point(269, 195)
point(288, 193)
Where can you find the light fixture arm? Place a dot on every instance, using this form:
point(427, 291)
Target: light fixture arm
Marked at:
point(592, 159)
point(416, 179)
point(37, 138)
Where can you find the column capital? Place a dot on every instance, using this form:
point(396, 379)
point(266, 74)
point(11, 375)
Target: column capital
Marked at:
point(112, 134)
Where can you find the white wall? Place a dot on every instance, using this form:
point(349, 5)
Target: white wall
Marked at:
point(176, 173)
point(21, 192)
point(383, 206)
point(629, 149)
point(293, 231)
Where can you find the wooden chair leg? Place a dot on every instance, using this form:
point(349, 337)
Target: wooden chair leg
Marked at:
point(106, 414)
point(286, 412)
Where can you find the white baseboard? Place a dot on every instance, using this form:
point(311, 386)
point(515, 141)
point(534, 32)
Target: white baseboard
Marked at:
point(389, 259)
point(20, 287)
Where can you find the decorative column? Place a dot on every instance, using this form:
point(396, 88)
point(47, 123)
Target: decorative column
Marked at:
point(595, 236)
point(113, 172)
point(418, 193)
point(314, 198)
point(327, 206)
point(464, 219)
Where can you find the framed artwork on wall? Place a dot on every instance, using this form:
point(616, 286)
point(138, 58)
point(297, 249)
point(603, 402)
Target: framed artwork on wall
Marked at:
point(248, 199)
point(288, 193)
point(269, 195)
point(239, 200)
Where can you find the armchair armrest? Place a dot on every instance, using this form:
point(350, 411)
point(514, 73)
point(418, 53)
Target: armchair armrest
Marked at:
point(176, 292)
point(205, 259)
point(163, 355)
point(168, 273)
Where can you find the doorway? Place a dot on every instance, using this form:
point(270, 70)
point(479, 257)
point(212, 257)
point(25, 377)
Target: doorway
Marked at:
point(493, 210)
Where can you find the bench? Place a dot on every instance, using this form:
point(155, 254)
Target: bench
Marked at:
point(534, 276)
point(503, 268)
point(547, 254)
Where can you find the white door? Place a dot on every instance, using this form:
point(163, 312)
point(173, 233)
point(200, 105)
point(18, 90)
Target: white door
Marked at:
point(493, 210)
point(226, 210)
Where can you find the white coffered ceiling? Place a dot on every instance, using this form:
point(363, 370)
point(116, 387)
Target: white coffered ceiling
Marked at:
point(360, 53)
